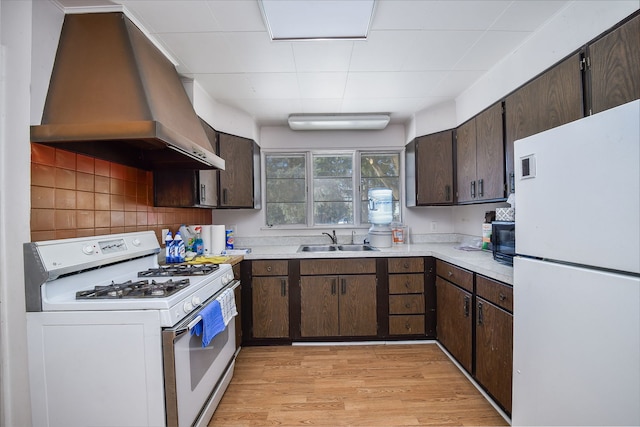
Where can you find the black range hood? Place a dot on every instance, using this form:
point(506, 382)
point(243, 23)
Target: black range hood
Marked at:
point(113, 95)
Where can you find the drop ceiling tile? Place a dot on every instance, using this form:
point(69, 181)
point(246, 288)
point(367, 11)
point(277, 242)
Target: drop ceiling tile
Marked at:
point(171, 16)
point(322, 85)
point(316, 56)
point(436, 15)
point(237, 15)
point(527, 15)
point(274, 85)
point(201, 52)
point(383, 51)
point(440, 50)
point(403, 106)
point(491, 48)
point(455, 83)
point(320, 106)
point(255, 52)
point(392, 84)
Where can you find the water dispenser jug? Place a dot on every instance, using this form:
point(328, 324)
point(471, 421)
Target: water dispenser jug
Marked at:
point(380, 206)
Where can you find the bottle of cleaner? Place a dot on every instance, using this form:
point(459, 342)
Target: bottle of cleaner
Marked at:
point(180, 249)
point(168, 243)
point(198, 244)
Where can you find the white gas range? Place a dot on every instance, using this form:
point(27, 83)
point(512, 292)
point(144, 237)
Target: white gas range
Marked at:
point(110, 339)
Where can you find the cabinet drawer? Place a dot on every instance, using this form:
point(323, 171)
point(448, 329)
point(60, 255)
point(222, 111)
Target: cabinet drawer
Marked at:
point(406, 265)
point(406, 283)
point(270, 268)
point(406, 304)
point(498, 293)
point(406, 325)
point(457, 275)
point(309, 267)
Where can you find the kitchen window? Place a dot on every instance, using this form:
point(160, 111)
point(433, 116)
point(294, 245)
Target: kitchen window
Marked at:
point(327, 188)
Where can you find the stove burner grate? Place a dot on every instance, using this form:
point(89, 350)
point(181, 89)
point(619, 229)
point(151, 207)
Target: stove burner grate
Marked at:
point(180, 270)
point(137, 289)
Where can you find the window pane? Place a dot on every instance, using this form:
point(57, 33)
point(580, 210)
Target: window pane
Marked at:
point(333, 189)
point(286, 195)
point(379, 170)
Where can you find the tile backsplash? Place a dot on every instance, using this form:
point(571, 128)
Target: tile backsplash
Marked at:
point(73, 195)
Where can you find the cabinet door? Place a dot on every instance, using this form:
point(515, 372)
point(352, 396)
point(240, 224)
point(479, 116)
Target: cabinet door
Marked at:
point(490, 154)
point(236, 181)
point(358, 305)
point(208, 187)
point(494, 351)
point(615, 67)
point(319, 306)
point(270, 298)
point(434, 169)
point(550, 100)
point(454, 321)
point(466, 161)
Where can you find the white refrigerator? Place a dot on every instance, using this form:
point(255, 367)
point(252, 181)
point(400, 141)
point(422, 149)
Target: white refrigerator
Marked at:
point(576, 336)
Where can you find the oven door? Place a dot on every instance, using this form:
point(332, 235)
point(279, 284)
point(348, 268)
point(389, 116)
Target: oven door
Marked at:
point(196, 377)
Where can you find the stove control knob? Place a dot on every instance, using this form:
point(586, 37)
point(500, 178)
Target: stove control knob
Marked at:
point(196, 301)
point(187, 307)
point(88, 249)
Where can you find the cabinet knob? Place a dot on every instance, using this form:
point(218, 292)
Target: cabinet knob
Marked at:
point(407, 305)
point(269, 268)
point(407, 326)
point(406, 285)
point(406, 265)
point(502, 296)
point(450, 273)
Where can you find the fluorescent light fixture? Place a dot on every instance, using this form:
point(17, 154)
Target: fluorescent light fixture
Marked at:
point(317, 19)
point(338, 121)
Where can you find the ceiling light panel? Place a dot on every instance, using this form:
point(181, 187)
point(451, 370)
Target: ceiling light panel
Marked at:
point(317, 19)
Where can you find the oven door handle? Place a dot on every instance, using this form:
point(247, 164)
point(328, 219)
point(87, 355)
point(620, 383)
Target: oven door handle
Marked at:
point(232, 286)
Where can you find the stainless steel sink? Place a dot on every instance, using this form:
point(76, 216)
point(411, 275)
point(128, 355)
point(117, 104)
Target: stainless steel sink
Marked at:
point(317, 248)
point(334, 248)
point(356, 248)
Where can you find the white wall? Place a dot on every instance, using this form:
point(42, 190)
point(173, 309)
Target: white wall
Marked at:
point(15, 66)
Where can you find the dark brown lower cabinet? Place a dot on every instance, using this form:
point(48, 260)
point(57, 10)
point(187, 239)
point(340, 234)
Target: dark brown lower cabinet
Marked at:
point(270, 297)
point(338, 306)
point(494, 351)
point(454, 321)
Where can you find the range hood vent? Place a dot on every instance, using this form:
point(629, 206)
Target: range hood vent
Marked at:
point(113, 95)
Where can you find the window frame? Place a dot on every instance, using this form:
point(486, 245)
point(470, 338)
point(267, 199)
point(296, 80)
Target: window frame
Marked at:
point(356, 156)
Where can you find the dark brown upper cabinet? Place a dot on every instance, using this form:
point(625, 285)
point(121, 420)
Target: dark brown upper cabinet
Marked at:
point(238, 186)
point(429, 170)
point(550, 100)
point(240, 181)
point(613, 64)
point(480, 157)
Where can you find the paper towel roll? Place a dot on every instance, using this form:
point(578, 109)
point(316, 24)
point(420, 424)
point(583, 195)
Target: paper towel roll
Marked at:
point(218, 239)
point(205, 234)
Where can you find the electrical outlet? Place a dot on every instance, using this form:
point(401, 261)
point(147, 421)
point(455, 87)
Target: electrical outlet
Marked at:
point(165, 231)
point(434, 226)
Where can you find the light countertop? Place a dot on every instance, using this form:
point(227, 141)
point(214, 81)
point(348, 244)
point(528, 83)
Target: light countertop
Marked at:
point(481, 262)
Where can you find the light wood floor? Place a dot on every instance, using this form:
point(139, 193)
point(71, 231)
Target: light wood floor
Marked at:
point(370, 385)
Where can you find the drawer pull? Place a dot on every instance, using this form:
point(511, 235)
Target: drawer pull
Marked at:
point(406, 285)
point(269, 268)
point(406, 265)
point(449, 273)
point(480, 315)
point(407, 326)
point(407, 305)
point(466, 306)
point(283, 287)
point(502, 296)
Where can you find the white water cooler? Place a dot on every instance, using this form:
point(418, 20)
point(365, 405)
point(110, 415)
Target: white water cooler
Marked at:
point(380, 216)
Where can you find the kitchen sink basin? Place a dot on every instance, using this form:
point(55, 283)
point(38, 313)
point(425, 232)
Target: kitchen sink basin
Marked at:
point(335, 248)
point(317, 248)
point(356, 248)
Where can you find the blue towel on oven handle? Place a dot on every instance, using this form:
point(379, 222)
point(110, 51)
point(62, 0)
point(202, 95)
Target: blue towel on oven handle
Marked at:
point(211, 324)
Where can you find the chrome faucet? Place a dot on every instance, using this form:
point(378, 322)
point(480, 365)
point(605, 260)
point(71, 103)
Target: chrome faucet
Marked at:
point(353, 236)
point(333, 237)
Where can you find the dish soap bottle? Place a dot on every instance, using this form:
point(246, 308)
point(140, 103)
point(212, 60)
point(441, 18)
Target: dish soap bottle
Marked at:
point(168, 243)
point(180, 250)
